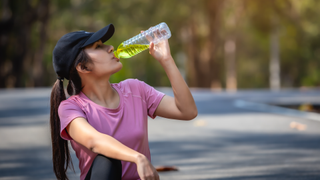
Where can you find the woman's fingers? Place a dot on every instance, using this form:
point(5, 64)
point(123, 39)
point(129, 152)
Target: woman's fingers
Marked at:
point(149, 38)
point(151, 47)
point(145, 169)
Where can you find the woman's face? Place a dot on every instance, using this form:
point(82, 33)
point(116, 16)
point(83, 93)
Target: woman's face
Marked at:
point(103, 60)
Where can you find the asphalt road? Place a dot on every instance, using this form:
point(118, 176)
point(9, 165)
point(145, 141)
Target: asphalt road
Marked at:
point(235, 136)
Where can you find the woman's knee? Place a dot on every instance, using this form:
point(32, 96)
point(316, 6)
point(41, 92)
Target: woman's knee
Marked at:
point(105, 168)
point(103, 161)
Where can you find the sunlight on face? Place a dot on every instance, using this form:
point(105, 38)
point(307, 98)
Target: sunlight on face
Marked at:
point(103, 60)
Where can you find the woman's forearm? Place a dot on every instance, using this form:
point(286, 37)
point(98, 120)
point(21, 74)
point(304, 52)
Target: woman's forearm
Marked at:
point(83, 133)
point(110, 147)
point(182, 95)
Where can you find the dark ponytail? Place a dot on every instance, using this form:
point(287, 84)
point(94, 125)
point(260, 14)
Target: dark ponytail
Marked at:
point(60, 151)
point(61, 158)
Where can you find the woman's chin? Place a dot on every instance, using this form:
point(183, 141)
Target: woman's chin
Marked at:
point(118, 69)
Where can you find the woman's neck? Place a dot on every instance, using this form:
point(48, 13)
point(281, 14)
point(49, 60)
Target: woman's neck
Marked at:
point(102, 93)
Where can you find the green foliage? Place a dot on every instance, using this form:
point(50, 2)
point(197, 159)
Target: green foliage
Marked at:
point(296, 20)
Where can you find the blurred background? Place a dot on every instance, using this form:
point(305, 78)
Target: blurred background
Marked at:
point(229, 44)
point(253, 67)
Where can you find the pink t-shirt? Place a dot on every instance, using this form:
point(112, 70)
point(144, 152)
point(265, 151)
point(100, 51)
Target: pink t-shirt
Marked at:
point(127, 123)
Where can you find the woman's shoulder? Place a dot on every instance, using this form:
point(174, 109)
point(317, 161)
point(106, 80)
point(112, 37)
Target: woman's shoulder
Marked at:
point(130, 81)
point(74, 100)
point(129, 84)
point(132, 86)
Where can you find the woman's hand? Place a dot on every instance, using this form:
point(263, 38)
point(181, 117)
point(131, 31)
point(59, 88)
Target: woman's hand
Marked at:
point(145, 169)
point(160, 51)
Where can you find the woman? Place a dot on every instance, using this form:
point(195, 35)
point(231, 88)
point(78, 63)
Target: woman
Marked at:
point(107, 123)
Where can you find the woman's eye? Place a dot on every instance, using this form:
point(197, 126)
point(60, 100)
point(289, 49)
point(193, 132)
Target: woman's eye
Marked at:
point(98, 46)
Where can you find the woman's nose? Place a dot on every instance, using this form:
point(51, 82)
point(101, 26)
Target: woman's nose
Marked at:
point(111, 49)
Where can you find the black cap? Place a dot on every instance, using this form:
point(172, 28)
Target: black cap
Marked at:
point(69, 45)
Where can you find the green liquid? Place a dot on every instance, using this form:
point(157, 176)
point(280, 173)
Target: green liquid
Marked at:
point(130, 50)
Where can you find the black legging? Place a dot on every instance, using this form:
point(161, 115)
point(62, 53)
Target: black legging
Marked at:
point(104, 168)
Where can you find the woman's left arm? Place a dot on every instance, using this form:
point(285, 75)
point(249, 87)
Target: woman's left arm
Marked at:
point(182, 106)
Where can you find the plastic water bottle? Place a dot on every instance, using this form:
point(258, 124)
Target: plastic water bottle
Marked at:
point(141, 42)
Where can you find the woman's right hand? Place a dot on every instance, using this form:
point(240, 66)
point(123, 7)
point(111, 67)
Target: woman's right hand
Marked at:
point(145, 169)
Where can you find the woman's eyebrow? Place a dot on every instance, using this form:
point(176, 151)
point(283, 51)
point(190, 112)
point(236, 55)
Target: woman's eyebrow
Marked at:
point(95, 44)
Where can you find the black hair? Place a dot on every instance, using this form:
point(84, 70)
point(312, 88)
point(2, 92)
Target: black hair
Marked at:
point(61, 158)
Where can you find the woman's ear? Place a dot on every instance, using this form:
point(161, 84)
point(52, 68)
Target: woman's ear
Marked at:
point(82, 68)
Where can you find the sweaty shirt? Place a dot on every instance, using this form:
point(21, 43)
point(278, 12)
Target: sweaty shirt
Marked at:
point(127, 123)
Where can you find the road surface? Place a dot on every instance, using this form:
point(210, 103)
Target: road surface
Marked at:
point(237, 136)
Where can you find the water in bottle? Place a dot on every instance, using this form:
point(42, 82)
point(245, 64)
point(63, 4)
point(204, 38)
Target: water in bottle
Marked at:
point(141, 41)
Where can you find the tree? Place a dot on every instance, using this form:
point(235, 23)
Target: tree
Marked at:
point(17, 54)
point(221, 43)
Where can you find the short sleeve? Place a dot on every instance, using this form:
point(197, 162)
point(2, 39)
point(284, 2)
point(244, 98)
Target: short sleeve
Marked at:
point(153, 98)
point(68, 111)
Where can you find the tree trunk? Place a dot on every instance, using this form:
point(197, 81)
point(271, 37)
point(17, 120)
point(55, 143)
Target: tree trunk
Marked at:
point(203, 67)
point(6, 24)
point(16, 52)
point(274, 61)
point(230, 46)
point(214, 8)
point(230, 58)
point(38, 60)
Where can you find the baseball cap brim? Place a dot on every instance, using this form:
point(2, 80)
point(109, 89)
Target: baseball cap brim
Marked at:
point(103, 34)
